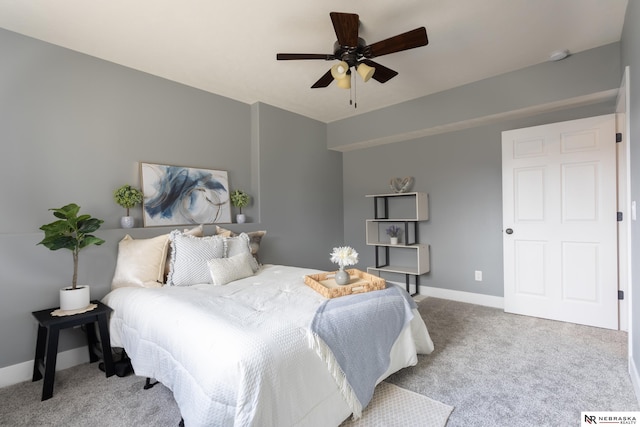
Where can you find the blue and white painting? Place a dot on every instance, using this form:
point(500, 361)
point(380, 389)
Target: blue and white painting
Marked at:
point(175, 195)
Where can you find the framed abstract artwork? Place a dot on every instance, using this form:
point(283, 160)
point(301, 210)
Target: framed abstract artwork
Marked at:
point(176, 195)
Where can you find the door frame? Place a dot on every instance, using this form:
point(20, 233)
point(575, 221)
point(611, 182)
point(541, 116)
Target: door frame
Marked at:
point(624, 206)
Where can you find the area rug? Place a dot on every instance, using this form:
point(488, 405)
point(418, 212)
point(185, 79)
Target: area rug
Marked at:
point(395, 406)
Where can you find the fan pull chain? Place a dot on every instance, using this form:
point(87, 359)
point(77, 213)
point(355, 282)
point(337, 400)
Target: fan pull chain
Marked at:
point(355, 93)
point(350, 91)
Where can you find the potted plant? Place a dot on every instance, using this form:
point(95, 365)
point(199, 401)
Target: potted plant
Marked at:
point(127, 197)
point(239, 199)
point(73, 232)
point(394, 232)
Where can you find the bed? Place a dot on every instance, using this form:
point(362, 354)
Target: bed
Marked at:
point(264, 349)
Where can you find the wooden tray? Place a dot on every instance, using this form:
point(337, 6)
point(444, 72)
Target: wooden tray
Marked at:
point(360, 282)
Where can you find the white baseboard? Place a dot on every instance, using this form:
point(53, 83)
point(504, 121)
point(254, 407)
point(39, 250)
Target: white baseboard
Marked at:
point(20, 372)
point(468, 297)
point(635, 378)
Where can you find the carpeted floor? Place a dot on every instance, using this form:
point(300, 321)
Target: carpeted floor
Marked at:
point(84, 397)
point(499, 369)
point(495, 369)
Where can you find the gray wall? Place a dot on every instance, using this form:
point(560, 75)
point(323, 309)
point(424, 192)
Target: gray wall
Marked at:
point(461, 172)
point(73, 128)
point(588, 72)
point(631, 57)
point(304, 183)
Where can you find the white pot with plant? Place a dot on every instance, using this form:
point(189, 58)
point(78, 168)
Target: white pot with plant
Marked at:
point(240, 199)
point(394, 233)
point(127, 197)
point(72, 231)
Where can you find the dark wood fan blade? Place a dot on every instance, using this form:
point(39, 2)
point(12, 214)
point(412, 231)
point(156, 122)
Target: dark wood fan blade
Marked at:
point(292, 56)
point(409, 40)
point(324, 81)
point(382, 73)
point(346, 28)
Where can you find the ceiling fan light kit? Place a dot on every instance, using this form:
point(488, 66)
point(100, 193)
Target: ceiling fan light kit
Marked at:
point(345, 82)
point(353, 52)
point(339, 71)
point(365, 72)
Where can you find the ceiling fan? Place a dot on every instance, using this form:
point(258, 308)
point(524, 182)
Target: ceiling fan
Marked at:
point(353, 52)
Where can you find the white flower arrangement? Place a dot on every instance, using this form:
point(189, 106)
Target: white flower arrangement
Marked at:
point(344, 255)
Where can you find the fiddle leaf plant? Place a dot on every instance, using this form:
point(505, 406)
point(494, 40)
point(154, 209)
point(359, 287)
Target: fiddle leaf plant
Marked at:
point(127, 196)
point(239, 199)
point(71, 231)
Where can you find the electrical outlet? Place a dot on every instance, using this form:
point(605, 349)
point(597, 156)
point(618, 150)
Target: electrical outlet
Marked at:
point(478, 276)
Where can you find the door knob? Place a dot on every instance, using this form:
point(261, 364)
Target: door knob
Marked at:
point(509, 231)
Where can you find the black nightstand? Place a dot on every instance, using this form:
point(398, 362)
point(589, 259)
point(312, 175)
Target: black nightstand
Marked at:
point(47, 343)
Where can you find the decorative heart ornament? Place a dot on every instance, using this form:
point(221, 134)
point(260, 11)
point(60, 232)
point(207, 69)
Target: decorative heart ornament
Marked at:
point(401, 185)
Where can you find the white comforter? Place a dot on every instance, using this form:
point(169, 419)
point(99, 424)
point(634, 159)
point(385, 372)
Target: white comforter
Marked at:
point(239, 354)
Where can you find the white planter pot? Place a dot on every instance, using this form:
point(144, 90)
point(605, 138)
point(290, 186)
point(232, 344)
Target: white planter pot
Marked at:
point(241, 218)
point(74, 299)
point(126, 222)
point(394, 240)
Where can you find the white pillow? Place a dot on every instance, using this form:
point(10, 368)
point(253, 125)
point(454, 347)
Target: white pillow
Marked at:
point(189, 258)
point(225, 270)
point(197, 231)
point(240, 245)
point(140, 262)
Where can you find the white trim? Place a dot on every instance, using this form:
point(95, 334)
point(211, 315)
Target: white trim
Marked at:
point(635, 379)
point(21, 372)
point(624, 205)
point(461, 296)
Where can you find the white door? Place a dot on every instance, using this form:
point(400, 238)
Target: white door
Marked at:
point(559, 215)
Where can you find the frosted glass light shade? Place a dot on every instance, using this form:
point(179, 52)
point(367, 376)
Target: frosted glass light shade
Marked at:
point(365, 71)
point(339, 71)
point(344, 83)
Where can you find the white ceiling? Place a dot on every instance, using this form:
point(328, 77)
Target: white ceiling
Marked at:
point(229, 48)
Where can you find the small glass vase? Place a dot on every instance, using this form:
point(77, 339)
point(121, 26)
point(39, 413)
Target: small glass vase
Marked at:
point(342, 277)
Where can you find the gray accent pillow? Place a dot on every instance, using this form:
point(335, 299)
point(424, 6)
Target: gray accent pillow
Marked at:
point(189, 258)
point(240, 245)
point(195, 231)
point(255, 237)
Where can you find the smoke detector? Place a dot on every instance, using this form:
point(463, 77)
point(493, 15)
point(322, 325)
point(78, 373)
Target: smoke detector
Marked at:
point(558, 55)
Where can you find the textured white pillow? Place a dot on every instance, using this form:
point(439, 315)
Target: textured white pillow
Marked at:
point(197, 231)
point(225, 270)
point(240, 245)
point(140, 262)
point(189, 258)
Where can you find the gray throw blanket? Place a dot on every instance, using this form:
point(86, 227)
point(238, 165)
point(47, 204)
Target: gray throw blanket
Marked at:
point(354, 335)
